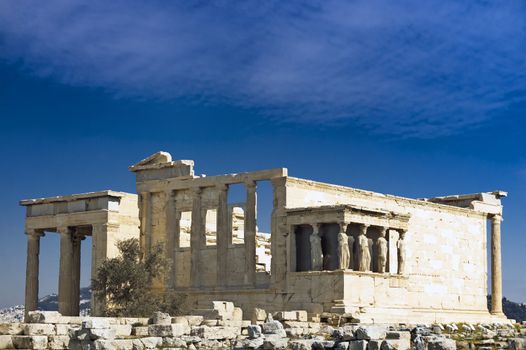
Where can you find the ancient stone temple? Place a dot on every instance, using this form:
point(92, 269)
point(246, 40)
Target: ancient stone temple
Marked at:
point(378, 257)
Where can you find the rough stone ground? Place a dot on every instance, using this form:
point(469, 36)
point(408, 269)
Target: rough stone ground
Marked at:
point(222, 327)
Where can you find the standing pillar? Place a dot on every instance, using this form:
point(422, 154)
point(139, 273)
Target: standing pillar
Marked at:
point(32, 266)
point(222, 235)
point(496, 266)
point(101, 234)
point(196, 241)
point(169, 250)
point(250, 234)
point(75, 273)
point(65, 272)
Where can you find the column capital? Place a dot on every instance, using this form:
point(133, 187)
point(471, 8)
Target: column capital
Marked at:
point(222, 187)
point(496, 218)
point(34, 234)
point(197, 190)
point(64, 230)
point(363, 228)
point(251, 184)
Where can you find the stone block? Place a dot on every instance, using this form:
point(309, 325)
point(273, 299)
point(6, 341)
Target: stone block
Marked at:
point(44, 317)
point(6, 342)
point(440, 343)
point(161, 318)
point(274, 341)
point(58, 342)
point(122, 330)
point(302, 344)
point(65, 329)
point(95, 333)
point(210, 323)
point(118, 344)
point(96, 322)
point(237, 314)
point(194, 320)
point(11, 328)
point(344, 345)
point(256, 343)
point(358, 345)
point(171, 330)
point(272, 327)
point(254, 331)
point(141, 331)
point(152, 342)
point(30, 341)
point(258, 315)
point(374, 344)
point(180, 319)
point(173, 343)
point(232, 323)
point(216, 333)
point(323, 344)
point(370, 332)
point(517, 344)
point(39, 329)
point(302, 316)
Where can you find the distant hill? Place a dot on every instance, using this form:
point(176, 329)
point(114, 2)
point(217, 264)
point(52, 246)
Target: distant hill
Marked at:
point(512, 310)
point(47, 303)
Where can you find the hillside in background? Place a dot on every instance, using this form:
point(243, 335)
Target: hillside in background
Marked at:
point(47, 303)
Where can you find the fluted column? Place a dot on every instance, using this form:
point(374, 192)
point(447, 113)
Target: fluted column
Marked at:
point(65, 272)
point(32, 267)
point(196, 240)
point(250, 234)
point(496, 266)
point(222, 235)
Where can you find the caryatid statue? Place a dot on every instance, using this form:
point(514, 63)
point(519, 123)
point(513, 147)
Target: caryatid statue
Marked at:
point(343, 249)
point(350, 240)
point(364, 256)
point(316, 252)
point(381, 249)
point(401, 253)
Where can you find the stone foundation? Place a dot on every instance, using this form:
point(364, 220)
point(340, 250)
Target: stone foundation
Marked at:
point(223, 326)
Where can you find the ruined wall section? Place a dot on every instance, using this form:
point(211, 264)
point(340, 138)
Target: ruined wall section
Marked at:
point(446, 264)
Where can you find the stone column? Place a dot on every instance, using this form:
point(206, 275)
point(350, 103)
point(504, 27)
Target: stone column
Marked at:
point(496, 266)
point(250, 234)
point(65, 272)
point(75, 273)
point(32, 266)
point(222, 235)
point(175, 247)
point(315, 248)
point(382, 251)
point(196, 234)
point(145, 216)
point(99, 236)
point(169, 250)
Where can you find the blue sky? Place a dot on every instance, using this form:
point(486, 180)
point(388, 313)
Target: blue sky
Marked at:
point(408, 98)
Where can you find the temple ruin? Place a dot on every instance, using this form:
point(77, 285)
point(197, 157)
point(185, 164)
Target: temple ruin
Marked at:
point(377, 257)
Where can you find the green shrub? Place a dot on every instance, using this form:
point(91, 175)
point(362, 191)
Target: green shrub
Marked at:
point(124, 283)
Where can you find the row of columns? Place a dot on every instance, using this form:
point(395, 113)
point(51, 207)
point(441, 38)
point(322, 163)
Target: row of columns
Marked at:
point(198, 233)
point(347, 246)
point(69, 268)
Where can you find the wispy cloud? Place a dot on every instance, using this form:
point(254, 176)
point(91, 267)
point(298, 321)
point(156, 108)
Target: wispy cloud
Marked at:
point(406, 67)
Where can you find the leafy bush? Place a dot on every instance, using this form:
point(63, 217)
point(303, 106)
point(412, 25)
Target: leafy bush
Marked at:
point(123, 284)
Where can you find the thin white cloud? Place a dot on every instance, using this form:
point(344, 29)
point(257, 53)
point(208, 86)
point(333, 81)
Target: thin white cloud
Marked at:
point(406, 67)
